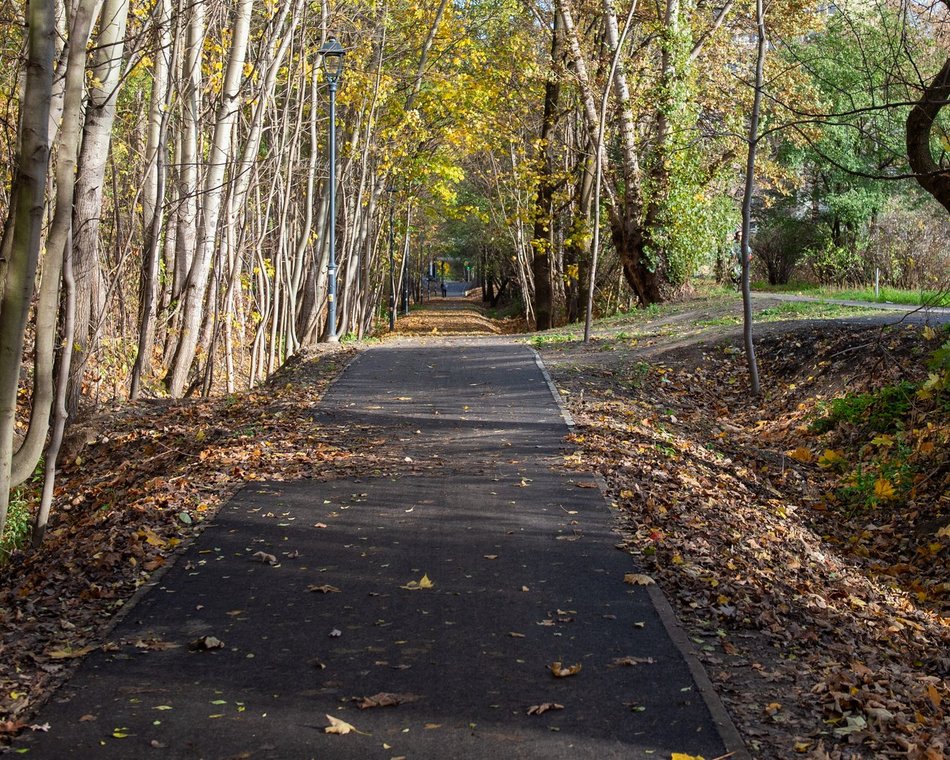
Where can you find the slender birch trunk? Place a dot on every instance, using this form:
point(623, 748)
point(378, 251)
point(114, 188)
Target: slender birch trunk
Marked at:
point(106, 70)
point(47, 308)
point(219, 156)
point(23, 229)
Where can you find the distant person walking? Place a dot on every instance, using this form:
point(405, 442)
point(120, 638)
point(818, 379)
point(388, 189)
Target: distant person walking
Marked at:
point(445, 290)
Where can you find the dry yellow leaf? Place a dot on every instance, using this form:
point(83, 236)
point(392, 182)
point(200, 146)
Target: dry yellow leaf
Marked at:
point(338, 726)
point(684, 756)
point(803, 455)
point(831, 458)
point(423, 582)
point(883, 489)
point(638, 579)
point(69, 653)
point(563, 671)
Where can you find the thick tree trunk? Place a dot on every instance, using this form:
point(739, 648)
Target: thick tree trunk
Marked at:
point(934, 179)
point(22, 232)
point(544, 205)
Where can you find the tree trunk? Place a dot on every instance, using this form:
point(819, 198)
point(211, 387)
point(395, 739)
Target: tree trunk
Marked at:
point(22, 232)
point(218, 158)
point(47, 308)
point(96, 138)
point(934, 179)
point(747, 197)
point(544, 205)
point(153, 195)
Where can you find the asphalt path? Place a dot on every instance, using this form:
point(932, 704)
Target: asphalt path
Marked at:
point(524, 573)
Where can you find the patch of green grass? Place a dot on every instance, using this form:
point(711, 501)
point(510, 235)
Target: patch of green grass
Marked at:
point(893, 295)
point(806, 310)
point(547, 339)
point(16, 532)
point(887, 294)
point(881, 411)
point(728, 319)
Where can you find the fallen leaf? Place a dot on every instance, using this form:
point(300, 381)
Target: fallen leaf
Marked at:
point(324, 589)
point(883, 489)
point(205, 643)
point(155, 645)
point(629, 661)
point(561, 671)
point(385, 699)
point(543, 708)
point(340, 727)
point(683, 756)
point(803, 455)
point(423, 582)
point(68, 653)
point(638, 579)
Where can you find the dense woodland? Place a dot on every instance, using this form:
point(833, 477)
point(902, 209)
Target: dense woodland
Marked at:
point(166, 171)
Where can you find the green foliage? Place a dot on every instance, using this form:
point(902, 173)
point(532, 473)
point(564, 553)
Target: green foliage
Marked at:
point(854, 70)
point(547, 339)
point(18, 527)
point(881, 411)
point(689, 219)
point(833, 264)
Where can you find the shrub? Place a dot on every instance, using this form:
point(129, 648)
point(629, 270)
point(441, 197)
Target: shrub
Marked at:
point(909, 246)
point(779, 246)
point(832, 264)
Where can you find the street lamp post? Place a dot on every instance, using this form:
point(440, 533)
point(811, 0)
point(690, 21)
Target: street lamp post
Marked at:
point(333, 53)
point(392, 260)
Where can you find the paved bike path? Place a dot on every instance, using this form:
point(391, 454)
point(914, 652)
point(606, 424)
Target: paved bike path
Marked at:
point(524, 573)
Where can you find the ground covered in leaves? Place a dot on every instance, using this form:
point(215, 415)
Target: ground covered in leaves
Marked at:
point(454, 316)
point(138, 480)
point(803, 537)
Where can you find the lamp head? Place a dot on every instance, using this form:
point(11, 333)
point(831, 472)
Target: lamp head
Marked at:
point(333, 53)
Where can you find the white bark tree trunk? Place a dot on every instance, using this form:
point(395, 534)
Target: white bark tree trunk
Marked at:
point(218, 158)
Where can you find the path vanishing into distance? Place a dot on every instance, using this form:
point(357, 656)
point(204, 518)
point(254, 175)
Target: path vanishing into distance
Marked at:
point(454, 589)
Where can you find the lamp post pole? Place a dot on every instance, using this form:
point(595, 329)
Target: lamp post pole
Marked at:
point(333, 53)
point(331, 267)
point(392, 262)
